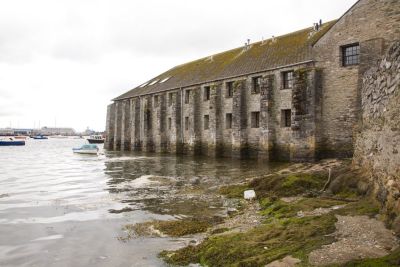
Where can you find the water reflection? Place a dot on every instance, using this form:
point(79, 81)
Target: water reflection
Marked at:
point(62, 209)
point(174, 185)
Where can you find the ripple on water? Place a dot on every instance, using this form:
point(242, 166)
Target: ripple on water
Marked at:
point(86, 200)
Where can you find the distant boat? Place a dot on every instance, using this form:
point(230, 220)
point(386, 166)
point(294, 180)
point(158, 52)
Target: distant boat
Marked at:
point(40, 137)
point(10, 141)
point(95, 139)
point(86, 149)
point(21, 137)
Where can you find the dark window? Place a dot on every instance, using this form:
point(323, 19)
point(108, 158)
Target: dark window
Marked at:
point(156, 100)
point(351, 55)
point(287, 78)
point(186, 123)
point(229, 89)
point(171, 98)
point(286, 117)
point(228, 121)
point(206, 95)
point(206, 122)
point(187, 96)
point(169, 123)
point(256, 84)
point(149, 124)
point(255, 119)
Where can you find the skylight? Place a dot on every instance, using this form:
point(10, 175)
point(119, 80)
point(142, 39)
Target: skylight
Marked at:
point(153, 82)
point(143, 85)
point(165, 79)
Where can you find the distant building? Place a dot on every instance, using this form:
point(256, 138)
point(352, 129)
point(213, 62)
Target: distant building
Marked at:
point(88, 132)
point(23, 131)
point(56, 131)
point(6, 131)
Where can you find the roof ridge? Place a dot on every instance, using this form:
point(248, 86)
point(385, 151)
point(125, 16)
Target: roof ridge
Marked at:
point(240, 47)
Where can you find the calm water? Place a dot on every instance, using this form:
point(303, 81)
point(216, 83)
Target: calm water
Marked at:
point(62, 209)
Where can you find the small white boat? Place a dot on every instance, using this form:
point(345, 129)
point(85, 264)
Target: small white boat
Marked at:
point(86, 149)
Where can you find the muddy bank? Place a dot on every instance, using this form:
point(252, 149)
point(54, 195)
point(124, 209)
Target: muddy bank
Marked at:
point(300, 218)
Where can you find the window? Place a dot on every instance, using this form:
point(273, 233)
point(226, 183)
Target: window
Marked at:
point(187, 96)
point(255, 119)
point(169, 123)
point(149, 124)
point(229, 90)
point(286, 117)
point(350, 55)
point(256, 84)
point(170, 98)
point(156, 100)
point(206, 122)
point(186, 123)
point(206, 95)
point(162, 127)
point(287, 78)
point(228, 121)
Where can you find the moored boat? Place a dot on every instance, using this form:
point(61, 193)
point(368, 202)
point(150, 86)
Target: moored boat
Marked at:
point(10, 141)
point(40, 137)
point(95, 139)
point(86, 149)
point(21, 137)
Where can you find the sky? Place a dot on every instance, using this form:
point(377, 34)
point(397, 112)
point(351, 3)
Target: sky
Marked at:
point(61, 62)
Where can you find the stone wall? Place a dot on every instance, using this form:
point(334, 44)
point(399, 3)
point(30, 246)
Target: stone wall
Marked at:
point(377, 149)
point(157, 122)
point(110, 124)
point(305, 95)
point(372, 24)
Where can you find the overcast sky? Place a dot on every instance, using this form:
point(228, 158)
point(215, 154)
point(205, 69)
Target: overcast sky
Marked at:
point(61, 62)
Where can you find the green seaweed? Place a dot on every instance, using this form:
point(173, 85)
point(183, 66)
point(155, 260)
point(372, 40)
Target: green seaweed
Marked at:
point(280, 209)
point(182, 227)
point(391, 260)
point(288, 185)
point(233, 191)
point(260, 245)
point(366, 206)
point(172, 228)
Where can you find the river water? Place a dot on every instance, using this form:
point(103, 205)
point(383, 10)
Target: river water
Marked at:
point(63, 209)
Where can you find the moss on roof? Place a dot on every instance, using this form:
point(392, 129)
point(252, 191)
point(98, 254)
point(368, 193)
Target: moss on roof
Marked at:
point(272, 53)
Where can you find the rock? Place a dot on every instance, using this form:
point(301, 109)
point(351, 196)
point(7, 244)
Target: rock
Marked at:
point(362, 187)
point(390, 183)
point(291, 199)
point(396, 226)
point(287, 261)
point(249, 194)
point(195, 181)
point(231, 211)
point(357, 237)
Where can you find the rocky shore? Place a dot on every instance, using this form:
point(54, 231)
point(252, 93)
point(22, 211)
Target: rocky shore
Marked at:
point(304, 215)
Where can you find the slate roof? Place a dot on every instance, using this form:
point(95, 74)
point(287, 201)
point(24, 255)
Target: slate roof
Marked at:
point(281, 51)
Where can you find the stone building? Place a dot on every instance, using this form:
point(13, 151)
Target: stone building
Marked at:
point(293, 97)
